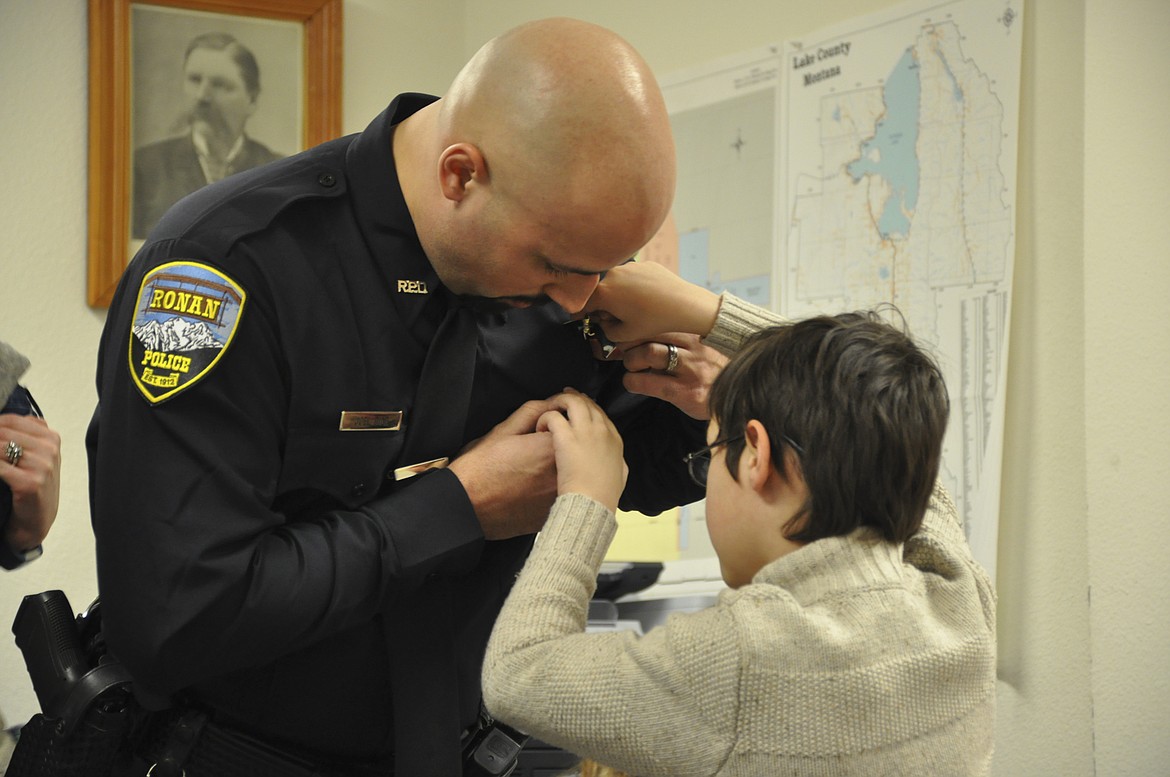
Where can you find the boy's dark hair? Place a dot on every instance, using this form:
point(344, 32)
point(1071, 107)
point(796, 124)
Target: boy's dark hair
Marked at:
point(866, 406)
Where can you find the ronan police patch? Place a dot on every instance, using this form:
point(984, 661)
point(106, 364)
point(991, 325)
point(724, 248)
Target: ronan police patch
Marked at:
point(184, 321)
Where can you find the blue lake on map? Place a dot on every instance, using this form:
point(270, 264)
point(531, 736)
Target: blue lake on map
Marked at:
point(890, 153)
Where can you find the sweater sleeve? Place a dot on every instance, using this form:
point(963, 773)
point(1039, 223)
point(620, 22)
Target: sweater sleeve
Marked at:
point(735, 321)
point(940, 549)
point(660, 704)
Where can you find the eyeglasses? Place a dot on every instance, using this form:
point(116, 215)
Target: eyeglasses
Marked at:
point(699, 462)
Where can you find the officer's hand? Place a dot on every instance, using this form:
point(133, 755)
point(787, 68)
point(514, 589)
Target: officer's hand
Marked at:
point(587, 447)
point(687, 386)
point(510, 474)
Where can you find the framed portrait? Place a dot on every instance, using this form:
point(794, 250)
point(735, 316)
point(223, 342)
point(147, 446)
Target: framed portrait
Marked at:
point(183, 93)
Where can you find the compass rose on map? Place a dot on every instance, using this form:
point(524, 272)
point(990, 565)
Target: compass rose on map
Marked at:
point(1008, 17)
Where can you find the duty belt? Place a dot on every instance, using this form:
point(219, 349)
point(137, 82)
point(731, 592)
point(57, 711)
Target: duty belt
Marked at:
point(191, 745)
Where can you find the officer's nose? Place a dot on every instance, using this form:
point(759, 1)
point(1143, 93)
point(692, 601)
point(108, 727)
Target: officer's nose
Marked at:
point(573, 291)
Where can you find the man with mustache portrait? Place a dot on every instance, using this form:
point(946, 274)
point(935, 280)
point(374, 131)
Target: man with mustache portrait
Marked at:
point(221, 81)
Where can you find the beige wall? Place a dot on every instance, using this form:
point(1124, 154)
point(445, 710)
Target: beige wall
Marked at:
point(1127, 380)
point(1084, 680)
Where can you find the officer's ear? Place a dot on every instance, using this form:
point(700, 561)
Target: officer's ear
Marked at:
point(461, 167)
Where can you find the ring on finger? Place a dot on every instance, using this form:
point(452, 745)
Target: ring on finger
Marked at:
point(13, 453)
point(671, 358)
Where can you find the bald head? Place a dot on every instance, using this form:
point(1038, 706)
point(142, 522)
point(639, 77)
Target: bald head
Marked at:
point(549, 161)
point(567, 115)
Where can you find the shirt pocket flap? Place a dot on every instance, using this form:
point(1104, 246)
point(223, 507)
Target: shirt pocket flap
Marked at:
point(348, 466)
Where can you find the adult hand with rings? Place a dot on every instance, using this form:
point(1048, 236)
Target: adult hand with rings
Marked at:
point(632, 305)
point(31, 468)
point(674, 367)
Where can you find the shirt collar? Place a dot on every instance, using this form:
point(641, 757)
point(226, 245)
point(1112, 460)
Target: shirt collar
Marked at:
point(373, 176)
point(381, 209)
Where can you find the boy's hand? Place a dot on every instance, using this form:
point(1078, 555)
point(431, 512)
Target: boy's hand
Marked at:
point(587, 447)
point(640, 300)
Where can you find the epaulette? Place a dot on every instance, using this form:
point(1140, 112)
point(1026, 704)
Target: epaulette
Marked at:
point(250, 201)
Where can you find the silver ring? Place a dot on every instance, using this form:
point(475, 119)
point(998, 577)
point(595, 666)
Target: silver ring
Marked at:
point(671, 358)
point(13, 453)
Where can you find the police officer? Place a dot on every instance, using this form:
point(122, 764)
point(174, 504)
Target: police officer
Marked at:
point(286, 562)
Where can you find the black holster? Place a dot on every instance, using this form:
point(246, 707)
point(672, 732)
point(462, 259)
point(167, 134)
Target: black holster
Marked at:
point(87, 710)
point(491, 748)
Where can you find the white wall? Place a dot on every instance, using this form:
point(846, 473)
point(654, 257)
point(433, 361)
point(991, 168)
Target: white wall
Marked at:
point(42, 286)
point(1044, 724)
point(1127, 381)
point(1083, 684)
point(394, 46)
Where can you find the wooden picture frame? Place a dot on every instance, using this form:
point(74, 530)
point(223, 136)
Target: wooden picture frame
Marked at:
point(111, 100)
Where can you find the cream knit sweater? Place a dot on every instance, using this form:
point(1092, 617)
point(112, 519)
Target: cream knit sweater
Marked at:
point(850, 656)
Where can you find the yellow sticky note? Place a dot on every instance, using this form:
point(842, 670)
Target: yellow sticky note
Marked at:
point(645, 537)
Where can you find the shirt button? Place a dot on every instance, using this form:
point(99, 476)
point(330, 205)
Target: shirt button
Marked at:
point(327, 179)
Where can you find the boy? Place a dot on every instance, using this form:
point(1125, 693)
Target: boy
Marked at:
point(858, 634)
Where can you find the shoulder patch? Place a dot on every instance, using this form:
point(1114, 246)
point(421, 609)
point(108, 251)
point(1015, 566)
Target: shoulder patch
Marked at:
point(184, 321)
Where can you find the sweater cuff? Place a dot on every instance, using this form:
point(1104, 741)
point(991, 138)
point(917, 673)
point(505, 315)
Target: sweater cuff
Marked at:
point(735, 321)
point(579, 526)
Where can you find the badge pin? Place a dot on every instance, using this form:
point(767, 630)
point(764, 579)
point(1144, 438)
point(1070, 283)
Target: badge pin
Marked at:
point(370, 421)
point(591, 330)
point(412, 287)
